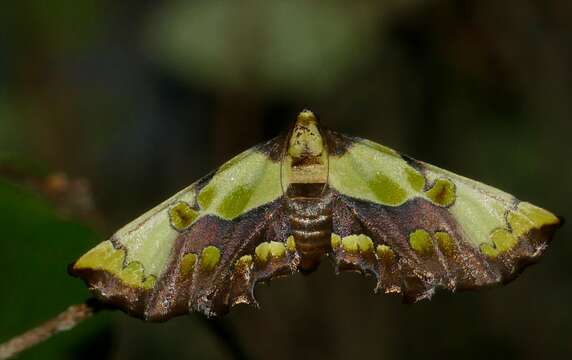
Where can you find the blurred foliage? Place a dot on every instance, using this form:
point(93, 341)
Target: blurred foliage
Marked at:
point(36, 246)
point(295, 47)
point(264, 46)
point(141, 98)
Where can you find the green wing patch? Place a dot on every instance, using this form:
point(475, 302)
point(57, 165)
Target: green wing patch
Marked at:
point(444, 230)
point(490, 218)
point(141, 252)
point(375, 173)
point(247, 182)
point(106, 258)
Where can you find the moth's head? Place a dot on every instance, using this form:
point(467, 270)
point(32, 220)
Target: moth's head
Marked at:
point(305, 139)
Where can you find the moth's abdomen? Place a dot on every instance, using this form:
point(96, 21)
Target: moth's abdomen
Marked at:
point(311, 226)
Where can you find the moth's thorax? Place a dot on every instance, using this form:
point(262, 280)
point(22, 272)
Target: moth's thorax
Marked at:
point(306, 158)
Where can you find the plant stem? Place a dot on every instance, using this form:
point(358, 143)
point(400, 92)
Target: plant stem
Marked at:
point(63, 322)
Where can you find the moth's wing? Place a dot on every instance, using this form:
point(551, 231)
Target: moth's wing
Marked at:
point(182, 255)
point(216, 263)
point(417, 227)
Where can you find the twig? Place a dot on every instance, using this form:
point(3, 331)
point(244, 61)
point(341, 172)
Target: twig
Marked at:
point(63, 322)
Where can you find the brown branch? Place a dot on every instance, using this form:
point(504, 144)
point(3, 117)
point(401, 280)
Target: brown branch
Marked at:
point(63, 322)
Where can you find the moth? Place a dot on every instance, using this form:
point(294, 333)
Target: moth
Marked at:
point(285, 205)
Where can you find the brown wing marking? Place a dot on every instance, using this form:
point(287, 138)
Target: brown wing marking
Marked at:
point(448, 261)
point(212, 289)
point(112, 291)
point(213, 266)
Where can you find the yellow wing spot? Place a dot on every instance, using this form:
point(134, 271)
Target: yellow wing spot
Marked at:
point(182, 216)
point(520, 223)
point(336, 241)
point(529, 217)
point(231, 205)
point(350, 244)
point(420, 241)
point(502, 241)
point(538, 215)
point(235, 202)
point(133, 273)
point(385, 253)
point(442, 193)
point(102, 257)
point(386, 190)
point(489, 250)
point(245, 261)
point(291, 244)
point(105, 257)
point(210, 258)
point(274, 249)
point(415, 179)
point(149, 282)
point(206, 197)
point(277, 249)
point(446, 243)
point(365, 243)
point(188, 264)
point(355, 243)
point(262, 252)
point(524, 219)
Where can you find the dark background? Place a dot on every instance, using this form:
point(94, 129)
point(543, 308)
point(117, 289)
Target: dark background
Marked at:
point(108, 107)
